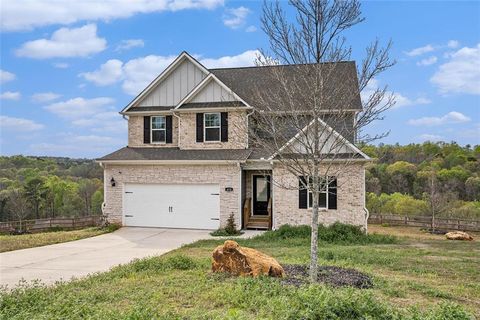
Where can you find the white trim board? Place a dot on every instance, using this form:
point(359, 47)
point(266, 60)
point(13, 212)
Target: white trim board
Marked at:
point(184, 55)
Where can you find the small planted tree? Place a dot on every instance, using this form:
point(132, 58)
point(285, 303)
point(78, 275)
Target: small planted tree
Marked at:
point(315, 88)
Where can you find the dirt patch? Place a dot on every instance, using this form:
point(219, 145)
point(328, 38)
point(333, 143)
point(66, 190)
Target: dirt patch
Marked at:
point(297, 275)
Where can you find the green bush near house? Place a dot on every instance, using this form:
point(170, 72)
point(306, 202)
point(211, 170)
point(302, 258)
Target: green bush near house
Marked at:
point(337, 233)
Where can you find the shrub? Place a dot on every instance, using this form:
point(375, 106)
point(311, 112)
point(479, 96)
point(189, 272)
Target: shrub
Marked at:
point(229, 230)
point(336, 233)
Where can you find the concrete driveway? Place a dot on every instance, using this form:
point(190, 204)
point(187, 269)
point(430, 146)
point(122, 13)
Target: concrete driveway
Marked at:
point(78, 258)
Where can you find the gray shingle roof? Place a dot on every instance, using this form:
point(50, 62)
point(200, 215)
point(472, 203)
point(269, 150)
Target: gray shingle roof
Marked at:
point(341, 83)
point(139, 154)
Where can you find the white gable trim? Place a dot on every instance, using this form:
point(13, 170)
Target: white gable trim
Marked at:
point(331, 130)
point(184, 55)
point(202, 84)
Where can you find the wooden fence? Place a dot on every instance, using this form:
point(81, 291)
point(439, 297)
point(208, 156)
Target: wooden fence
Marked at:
point(40, 225)
point(425, 222)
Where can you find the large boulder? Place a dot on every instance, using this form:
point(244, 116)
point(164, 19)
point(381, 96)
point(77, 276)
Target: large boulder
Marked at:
point(458, 235)
point(243, 261)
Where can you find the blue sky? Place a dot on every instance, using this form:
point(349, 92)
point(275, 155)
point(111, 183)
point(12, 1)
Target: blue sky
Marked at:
point(68, 68)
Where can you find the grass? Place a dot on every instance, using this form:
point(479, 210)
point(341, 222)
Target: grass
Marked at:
point(416, 276)
point(24, 241)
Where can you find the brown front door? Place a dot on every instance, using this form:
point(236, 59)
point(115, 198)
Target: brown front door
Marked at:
point(261, 194)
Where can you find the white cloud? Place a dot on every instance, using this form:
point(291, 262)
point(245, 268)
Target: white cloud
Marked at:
point(453, 44)
point(427, 61)
point(140, 72)
point(244, 59)
point(430, 137)
point(109, 72)
point(235, 17)
point(129, 44)
point(251, 29)
point(137, 73)
point(450, 118)
point(461, 74)
point(400, 100)
point(19, 124)
point(419, 51)
point(6, 76)
point(45, 97)
point(10, 95)
point(61, 65)
point(26, 15)
point(65, 43)
point(74, 145)
point(79, 107)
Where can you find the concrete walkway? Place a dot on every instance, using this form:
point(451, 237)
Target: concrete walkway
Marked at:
point(78, 258)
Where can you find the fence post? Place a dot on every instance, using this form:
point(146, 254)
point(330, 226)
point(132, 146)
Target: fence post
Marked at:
point(458, 224)
point(405, 219)
point(381, 219)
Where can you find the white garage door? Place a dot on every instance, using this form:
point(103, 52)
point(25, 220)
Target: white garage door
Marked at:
point(195, 206)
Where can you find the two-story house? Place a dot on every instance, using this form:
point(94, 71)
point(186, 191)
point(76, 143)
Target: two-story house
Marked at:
point(188, 163)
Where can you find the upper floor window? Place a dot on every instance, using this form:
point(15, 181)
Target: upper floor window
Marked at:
point(212, 126)
point(159, 128)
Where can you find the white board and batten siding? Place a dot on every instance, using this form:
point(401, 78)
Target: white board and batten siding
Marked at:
point(177, 84)
point(189, 206)
point(213, 92)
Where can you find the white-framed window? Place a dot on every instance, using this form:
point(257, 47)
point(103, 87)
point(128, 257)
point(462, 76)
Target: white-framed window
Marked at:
point(322, 197)
point(327, 197)
point(211, 126)
point(159, 129)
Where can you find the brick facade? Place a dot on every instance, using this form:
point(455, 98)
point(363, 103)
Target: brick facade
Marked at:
point(237, 133)
point(224, 175)
point(350, 198)
point(135, 133)
point(184, 132)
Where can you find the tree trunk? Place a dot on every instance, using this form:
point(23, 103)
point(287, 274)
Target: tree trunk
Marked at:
point(314, 238)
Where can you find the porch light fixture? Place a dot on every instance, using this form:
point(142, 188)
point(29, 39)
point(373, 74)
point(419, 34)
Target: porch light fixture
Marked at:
point(112, 182)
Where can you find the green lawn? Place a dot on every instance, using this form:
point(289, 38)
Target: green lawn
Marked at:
point(24, 241)
point(417, 276)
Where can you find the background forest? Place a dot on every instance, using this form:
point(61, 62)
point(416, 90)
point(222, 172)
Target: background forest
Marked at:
point(421, 179)
point(43, 187)
point(416, 179)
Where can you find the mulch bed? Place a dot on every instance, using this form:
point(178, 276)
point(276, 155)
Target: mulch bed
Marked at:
point(298, 275)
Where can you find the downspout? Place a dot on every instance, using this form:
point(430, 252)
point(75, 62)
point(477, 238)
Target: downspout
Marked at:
point(367, 213)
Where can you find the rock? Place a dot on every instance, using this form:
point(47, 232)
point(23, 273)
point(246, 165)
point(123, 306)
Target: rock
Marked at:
point(458, 235)
point(243, 261)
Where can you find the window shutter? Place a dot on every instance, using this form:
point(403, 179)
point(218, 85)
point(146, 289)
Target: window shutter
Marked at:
point(168, 131)
point(199, 127)
point(146, 129)
point(302, 193)
point(224, 126)
point(332, 193)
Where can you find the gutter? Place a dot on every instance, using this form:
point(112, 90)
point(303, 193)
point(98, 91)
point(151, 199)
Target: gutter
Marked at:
point(173, 162)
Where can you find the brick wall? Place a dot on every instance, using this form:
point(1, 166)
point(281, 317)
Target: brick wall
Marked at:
point(135, 133)
point(237, 132)
point(185, 138)
point(350, 198)
point(224, 175)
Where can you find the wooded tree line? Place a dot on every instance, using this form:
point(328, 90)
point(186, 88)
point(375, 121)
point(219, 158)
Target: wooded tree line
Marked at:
point(47, 187)
point(421, 179)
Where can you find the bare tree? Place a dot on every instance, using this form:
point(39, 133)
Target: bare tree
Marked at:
point(18, 204)
point(310, 87)
point(438, 201)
